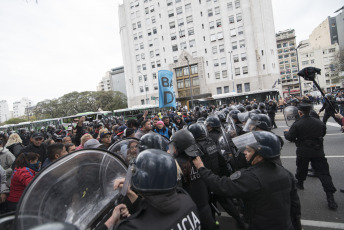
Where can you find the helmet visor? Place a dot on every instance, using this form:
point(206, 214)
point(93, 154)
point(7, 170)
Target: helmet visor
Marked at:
point(250, 125)
point(242, 141)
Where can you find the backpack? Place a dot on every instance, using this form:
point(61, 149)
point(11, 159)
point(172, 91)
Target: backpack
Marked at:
point(17, 148)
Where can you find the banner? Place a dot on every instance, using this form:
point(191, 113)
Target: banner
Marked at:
point(167, 97)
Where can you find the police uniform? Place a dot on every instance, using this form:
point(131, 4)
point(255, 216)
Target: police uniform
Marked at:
point(308, 133)
point(268, 190)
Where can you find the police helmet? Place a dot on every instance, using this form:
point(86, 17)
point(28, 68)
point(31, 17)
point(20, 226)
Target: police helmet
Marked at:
point(197, 130)
point(184, 141)
point(248, 108)
point(212, 121)
point(153, 141)
point(269, 145)
point(254, 106)
point(221, 115)
point(261, 106)
point(155, 171)
point(55, 226)
point(261, 121)
point(241, 108)
point(234, 114)
point(294, 101)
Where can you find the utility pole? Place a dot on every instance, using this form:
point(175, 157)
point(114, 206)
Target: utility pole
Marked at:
point(186, 58)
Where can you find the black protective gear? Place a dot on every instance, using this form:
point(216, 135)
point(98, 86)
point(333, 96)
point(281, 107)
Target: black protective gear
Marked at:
point(261, 121)
point(234, 114)
point(184, 141)
point(212, 121)
point(198, 130)
point(269, 146)
point(154, 171)
point(153, 141)
point(248, 108)
point(261, 106)
point(221, 115)
point(240, 108)
point(254, 106)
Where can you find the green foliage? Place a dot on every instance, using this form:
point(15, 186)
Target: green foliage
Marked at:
point(75, 102)
point(337, 68)
point(14, 121)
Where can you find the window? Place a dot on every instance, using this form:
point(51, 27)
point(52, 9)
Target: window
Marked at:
point(244, 70)
point(217, 75)
point(147, 10)
point(139, 68)
point(134, 26)
point(239, 88)
point(158, 64)
point(140, 78)
point(263, 66)
point(247, 87)
point(212, 37)
point(327, 82)
point(135, 36)
point(211, 25)
point(183, 46)
point(169, 2)
point(141, 46)
point(175, 48)
point(242, 43)
point(150, 43)
point(234, 45)
point(214, 49)
point(279, 46)
point(170, 13)
point(138, 57)
point(230, 6)
point(195, 81)
point(237, 4)
point(142, 101)
point(218, 23)
point(220, 35)
point(156, 86)
point(223, 61)
point(192, 43)
point(226, 89)
point(231, 19)
point(172, 25)
point(186, 71)
point(179, 72)
point(144, 66)
point(154, 76)
point(236, 58)
point(194, 69)
point(148, 21)
point(175, 59)
point(157, 52)
point(151, 9)
point(332, 50)
point(224, 73)
point(191, 31)
point(154, 30)
point(216, 62)
point(186, 83)
point(145, 77)
point(138, 24)
point(141, 89)
point(285, 44)
point(180, 84)
point(178, 1)
point(173, 36)
point(137, 47)
point(233, 32)
point(179, 10)
point(149, 32)
point(217, 10)
point(180, 21)
point(210, 12)
point(194, 54)
point(222, 48)
point(305, 63)
point(189, 19)
point(181, 33)
point(237, 71)
point(153, 64)
point(133, 15)
point(188, 7)
point(238, 17)
point(312, 61)
point(219, 90)
point(240, 30)
point(140, 35)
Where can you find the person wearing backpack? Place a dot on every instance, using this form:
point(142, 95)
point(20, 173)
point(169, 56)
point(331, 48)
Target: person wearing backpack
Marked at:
point(14, 144)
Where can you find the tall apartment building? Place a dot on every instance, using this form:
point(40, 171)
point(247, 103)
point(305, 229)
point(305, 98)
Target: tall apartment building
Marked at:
point(230, 45)
point(19, 107)
point(4, 111)
point(113, 80)
point(286, 42)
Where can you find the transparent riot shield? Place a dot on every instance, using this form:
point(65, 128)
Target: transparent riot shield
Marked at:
point(290, 115)
point(76, 189)
point(230, 127)
point(127, 149)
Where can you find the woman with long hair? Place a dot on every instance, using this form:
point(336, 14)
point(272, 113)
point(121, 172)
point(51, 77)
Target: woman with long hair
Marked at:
point(26, 167)
point(14, 144)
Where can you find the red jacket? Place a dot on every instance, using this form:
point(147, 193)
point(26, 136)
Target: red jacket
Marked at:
point(21, 177)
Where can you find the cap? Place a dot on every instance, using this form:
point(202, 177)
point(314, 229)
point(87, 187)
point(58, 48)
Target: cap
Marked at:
point(103, 134)
point(160, 123)
point(122, 128)
point(37, 135)
point(92, 143)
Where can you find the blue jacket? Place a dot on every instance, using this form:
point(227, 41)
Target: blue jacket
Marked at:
point(163, 131)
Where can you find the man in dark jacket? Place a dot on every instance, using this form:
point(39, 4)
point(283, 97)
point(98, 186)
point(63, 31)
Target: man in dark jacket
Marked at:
point(308, 133)
point(37, 146)
point(329, 110)
point(271, 109)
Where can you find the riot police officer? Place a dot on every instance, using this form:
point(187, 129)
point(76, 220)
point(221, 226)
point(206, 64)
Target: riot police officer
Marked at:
point(267, 189)
point(308, 133)
point(213, 125)
point(271, 109)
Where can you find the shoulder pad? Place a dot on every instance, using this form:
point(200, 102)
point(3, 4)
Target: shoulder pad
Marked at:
point(235, 175)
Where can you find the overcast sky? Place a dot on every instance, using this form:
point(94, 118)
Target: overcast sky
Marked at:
point(58, 46)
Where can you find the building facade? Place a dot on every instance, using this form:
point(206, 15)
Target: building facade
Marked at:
point(113, 80)
point(286, 44)
point(4, 111)
point(230, 45)
point(340, 28)
point(19, 107)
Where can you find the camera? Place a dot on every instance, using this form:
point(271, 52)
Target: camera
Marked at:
point(308, 73)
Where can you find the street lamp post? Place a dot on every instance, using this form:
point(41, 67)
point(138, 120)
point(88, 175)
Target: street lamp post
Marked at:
point(186, 58)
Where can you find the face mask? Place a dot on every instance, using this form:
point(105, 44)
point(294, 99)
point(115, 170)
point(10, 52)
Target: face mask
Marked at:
point(35, 166)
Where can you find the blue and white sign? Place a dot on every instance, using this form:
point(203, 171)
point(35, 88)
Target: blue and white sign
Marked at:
point(167, 97)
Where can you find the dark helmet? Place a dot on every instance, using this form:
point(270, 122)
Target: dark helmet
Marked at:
point(153, 141)
point(201, 120)
point(55, 226)
point(248, 108)
point(294, 101)
point(269, 146)
point(155, 171)
point(241, 108)
point(254, 106)
point(177, 117)
point(261, 121)
point(212, 121)
point(261, 106)
point(184, 141)
point(221, 115)
point(234, 114)
point(256, 111)
point(198, 130)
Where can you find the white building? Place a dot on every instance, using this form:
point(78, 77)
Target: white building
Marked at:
point(19, 107)
point(4, 111)
point(230, 45)
point(113, 80)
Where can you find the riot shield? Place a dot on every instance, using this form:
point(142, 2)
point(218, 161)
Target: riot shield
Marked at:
point(76, 189)
point(290, 115)
point(243, 117)
point(127, 149)
point(230, 127)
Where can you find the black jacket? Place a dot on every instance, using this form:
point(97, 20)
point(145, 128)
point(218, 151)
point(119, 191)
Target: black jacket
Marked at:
point(271, 109)
point(328, 109)
point(268, 191)
point(41, 150)
point(307, 133)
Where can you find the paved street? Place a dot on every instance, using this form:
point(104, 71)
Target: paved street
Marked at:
point(315, 213)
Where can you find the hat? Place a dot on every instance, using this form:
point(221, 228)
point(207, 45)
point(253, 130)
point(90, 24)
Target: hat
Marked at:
point(91, 143)
point(37, 135)
point(122, 128)
point(103, 134)
point(160, 123)
point(128, 132)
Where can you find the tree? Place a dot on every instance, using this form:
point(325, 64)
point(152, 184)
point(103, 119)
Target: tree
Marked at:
point(337, 68)
point(15, 121)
